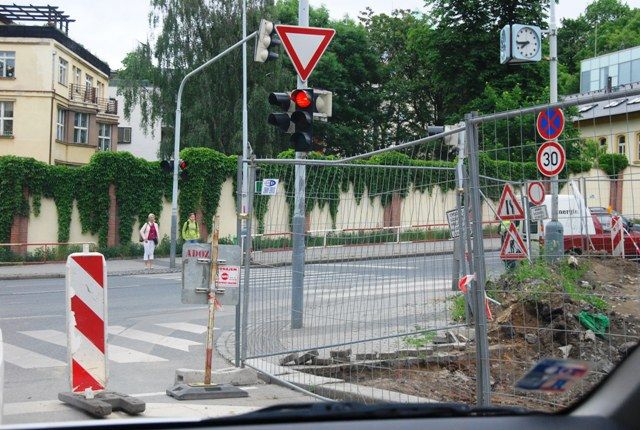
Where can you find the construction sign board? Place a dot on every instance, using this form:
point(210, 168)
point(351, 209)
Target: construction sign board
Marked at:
point(509, 208)
point(513, 248)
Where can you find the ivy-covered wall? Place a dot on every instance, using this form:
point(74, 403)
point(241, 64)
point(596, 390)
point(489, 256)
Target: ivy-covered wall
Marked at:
point(141, 186)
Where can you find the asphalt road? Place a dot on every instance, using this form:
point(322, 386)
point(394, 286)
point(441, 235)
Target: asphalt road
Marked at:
point(152, 333)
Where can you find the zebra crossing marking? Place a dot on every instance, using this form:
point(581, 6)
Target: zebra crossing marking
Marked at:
point(153, 338)
point(115, 353)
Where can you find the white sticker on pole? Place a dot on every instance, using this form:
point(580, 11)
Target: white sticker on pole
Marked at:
point(86, 291)
point(551, 158)
point(228, 276)
point(538, 213)
point(535, 192)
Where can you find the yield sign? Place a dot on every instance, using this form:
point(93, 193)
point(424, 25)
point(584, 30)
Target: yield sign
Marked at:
point(513, 247)
point(509, 208)
point(305, 46)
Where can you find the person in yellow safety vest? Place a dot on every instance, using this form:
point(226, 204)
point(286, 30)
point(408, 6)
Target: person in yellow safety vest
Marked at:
point(190, 230)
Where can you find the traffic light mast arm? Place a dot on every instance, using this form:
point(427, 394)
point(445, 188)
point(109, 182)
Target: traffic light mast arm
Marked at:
point(176, 144)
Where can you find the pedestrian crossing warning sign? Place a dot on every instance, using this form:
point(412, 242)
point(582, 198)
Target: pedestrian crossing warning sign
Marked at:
point(513, 248)
point(509, 209)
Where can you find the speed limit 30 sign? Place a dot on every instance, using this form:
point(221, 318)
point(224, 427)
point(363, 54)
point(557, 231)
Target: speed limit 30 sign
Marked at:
point(551, 158)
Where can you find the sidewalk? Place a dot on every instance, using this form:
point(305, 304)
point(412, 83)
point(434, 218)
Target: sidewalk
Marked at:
point(58, 269)
point(259, 258)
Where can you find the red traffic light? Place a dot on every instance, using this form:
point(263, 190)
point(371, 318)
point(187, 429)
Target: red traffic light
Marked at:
point(182, 164)
point(303, 99)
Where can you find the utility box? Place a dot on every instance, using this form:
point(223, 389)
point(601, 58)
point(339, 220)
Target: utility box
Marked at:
point(196, 273)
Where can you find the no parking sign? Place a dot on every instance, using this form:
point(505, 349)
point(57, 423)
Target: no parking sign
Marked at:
point(550, 123)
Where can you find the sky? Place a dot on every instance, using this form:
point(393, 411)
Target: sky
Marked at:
point(122, 24)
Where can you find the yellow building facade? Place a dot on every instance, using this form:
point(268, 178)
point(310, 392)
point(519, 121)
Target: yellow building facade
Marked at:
point(54, 105)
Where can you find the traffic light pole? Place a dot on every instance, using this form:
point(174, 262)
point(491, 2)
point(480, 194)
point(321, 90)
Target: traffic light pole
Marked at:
point(299, 219)
point(176, 144)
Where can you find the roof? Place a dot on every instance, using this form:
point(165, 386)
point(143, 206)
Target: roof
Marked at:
point(9, 13)
point(57, 35)
point(609, 108)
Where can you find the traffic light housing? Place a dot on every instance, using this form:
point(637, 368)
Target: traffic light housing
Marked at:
point(298, 108)
point(266, 40)
point(302, 119)
point(167, 167)
point(282, 120)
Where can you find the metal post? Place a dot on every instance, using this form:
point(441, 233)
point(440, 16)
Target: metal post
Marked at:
point(299, 221)
point(553, 233)
point(240, 242)
point(251, 174)
point(527, 217)
point(245, 115)
point(176, 144)
point(208, 364)
point(483, 385)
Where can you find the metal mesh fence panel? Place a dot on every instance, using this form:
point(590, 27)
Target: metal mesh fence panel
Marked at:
point(585, 306)
point(381, 317)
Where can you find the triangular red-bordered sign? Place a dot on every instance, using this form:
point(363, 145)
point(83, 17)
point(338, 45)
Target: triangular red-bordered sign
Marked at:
point(509, 208)
point(305, 46)
point(513, 248)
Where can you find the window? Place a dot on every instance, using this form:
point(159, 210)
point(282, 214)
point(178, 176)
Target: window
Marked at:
point(124, 134)
point(638, 147)
point(603, 143)
point(81, 128)
point(104, 137)
point(614, 103)
point(88, 81)
point(7, 64)
point(587, 108)
point(60, 124)
point(6, 118)
point(622, 144)
point(605, 220)
point(100, 90)
point(77, 75)
point(63, 66)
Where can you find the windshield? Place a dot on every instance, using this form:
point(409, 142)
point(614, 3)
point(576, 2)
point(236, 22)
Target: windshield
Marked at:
point(207, 208)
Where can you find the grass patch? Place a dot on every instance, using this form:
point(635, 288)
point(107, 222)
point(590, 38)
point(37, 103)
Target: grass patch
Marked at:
point(420, 340)
point(535, 281)
point(458, 308)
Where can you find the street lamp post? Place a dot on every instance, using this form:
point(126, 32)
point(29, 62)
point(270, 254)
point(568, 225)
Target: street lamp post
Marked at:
point(176, 144)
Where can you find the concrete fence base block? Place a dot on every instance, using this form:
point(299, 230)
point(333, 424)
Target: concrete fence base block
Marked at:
point(228, 376)
point(102, 404)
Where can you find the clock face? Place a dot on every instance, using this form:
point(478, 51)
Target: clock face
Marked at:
point(527, 42)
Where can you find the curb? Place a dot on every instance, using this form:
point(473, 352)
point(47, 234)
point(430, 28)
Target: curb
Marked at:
point(62, 275)
point(324, 388)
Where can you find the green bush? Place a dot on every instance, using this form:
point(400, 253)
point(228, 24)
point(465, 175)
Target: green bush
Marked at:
point(613, 164)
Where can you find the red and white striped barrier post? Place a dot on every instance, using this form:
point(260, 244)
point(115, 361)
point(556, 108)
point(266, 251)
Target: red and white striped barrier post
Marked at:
point(86, 298)
point(87, 321)
point(617, 237)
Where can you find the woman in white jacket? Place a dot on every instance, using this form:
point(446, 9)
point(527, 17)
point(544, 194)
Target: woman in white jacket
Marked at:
point(149, 235)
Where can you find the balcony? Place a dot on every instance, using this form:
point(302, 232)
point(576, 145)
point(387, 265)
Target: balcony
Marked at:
point(88, 95)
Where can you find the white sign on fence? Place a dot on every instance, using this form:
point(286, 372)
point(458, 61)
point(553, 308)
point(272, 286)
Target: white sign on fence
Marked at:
point(228, 276)
point(538, 213)
point(454, 222)
point(269, 187)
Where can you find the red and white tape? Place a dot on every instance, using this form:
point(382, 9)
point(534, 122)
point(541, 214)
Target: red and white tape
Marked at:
point(617, 237)
point(87, 321)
